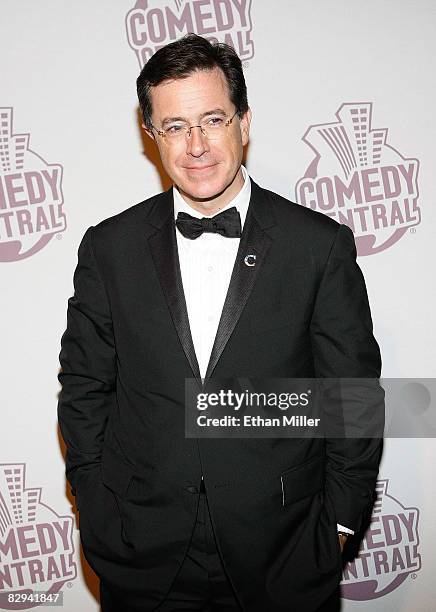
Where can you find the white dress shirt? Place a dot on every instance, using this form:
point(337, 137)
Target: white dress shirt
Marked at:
point(206, 265)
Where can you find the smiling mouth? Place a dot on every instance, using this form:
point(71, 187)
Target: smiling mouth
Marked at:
point(199, 168)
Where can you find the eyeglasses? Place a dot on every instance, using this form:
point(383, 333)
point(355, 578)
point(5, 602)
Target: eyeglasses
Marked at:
point(212, 127)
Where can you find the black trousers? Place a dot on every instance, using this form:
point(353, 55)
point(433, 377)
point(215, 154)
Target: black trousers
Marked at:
point(201, 582)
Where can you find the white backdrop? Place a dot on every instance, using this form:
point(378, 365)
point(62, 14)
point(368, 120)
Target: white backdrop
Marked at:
point(68, 72)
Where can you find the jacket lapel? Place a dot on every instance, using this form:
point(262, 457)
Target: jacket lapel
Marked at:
point(163, 246)
point(253, 247)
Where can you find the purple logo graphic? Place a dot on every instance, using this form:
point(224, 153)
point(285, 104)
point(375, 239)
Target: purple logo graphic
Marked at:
point(36, 544)
point(360, 180)
point(153, 24)
point(30, 195)
point(389, 551)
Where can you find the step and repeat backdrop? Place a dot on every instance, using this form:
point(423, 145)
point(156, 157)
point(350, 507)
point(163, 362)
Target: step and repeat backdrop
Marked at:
point(343, 98)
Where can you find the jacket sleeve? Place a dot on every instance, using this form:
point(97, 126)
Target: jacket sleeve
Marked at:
point(344, 348)
point(88, 366)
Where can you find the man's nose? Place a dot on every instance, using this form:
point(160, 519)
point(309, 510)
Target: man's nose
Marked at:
point(197, 143)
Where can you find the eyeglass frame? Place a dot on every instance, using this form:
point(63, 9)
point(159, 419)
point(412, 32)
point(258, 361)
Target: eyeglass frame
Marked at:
point(188, 132)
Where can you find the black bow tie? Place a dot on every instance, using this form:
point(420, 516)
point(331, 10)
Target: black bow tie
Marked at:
point(226, 223)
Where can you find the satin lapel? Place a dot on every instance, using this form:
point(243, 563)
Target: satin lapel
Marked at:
point(163, 246)
point(255, 241)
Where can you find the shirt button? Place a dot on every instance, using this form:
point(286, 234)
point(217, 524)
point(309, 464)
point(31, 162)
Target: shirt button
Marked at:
point(210, 318)
point(210, 268)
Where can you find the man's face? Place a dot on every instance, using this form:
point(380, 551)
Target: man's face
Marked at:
point(206, 171)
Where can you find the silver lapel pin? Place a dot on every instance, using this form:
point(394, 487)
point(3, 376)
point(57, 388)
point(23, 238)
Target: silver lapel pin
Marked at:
point(250, 260)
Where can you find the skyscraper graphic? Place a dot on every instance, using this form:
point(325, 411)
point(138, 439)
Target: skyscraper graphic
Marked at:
point(17, 504)
point(377, 141)
point(5, 136)
point(350, 140)
point(12, 147)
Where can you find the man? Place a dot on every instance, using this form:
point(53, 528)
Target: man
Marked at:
point(216, 276)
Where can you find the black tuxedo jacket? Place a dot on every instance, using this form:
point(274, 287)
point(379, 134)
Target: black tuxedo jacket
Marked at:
point(301, 311)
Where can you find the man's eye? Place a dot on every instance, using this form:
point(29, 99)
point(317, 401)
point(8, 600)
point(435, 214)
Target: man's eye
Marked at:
point(215, 121)
point(174, 129)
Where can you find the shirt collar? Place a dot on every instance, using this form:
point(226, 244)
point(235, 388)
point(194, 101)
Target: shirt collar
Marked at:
point(241, 201)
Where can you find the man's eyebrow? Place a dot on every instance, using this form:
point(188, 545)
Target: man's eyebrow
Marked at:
point(215, 111)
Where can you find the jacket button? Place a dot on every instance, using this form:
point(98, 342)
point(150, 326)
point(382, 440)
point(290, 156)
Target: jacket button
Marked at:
point(192, 489)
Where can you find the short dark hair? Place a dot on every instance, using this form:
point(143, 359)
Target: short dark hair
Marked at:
point(180, 59)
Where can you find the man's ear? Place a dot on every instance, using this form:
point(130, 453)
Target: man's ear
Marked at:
point(148, 131)
point(245, 126)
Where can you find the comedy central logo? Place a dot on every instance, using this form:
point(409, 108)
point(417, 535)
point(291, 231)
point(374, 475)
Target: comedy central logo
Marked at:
point(153, 24)
point(388, 553)
point(31, 197)
point(36, 544)
point(360, 180)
